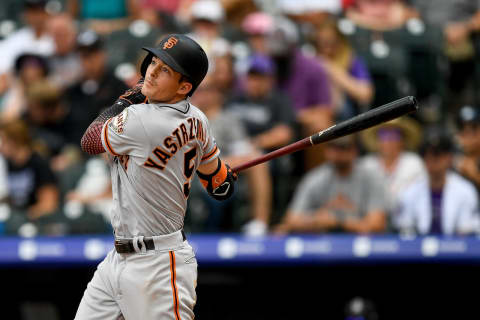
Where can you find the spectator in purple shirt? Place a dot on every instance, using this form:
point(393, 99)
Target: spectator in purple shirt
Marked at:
point(352, 89)
point(305, 81)
point(301, 77)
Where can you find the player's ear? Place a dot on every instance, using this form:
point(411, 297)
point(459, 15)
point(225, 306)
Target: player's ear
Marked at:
point(185, 88)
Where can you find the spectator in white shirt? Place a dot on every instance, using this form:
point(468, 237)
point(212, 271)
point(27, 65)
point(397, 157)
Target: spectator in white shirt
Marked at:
point(33, 38)
point(393, 158)
point(443, 202)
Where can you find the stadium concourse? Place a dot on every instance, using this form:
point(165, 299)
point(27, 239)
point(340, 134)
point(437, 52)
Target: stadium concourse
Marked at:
point(383, 224)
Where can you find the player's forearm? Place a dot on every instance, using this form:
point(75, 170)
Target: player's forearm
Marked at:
point(91, 142)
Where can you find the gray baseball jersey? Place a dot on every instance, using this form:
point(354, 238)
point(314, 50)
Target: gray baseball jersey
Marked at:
point(157, 148)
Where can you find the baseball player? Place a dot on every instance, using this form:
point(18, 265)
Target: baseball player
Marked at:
point(155, 148)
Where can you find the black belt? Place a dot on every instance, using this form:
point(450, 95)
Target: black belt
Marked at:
point(126, 245)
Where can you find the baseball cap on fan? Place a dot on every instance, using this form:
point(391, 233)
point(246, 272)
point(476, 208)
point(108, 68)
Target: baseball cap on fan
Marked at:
point(89, 41)
point(183, 55)
point(468, 115)
point(208, 10)
point(261, 65)
point(437, 142)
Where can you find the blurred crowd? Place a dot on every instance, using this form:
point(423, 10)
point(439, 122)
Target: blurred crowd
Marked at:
point(280, 70)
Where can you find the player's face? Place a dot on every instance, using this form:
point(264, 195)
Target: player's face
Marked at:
point(162, 83)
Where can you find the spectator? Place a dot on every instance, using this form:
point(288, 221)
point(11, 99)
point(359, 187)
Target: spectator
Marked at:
point(89, 202)
point(402, 53)
point(443, 202)
point(97, 89)
point(394, 160)
point(459, 20)
point(66, 68)
point(233, 141)
point(235, 13)
point(305, 81)
point(46, 119)
point(33, 38)
point(264, 111)
point(257, 26)
point(351, 83)
point(338, 196)
point(104, 16)
point(29, 68)
point(301, 77)
point(224, 74)
point(307, 12)
point(467, 163)
point(206, 22)
point(268, 118)
point(31, 183)
point(168, 6)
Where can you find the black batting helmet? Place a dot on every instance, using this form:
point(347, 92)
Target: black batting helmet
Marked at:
point(183, 55)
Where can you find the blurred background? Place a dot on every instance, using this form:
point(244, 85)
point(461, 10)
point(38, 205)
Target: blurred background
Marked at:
point(380, 225)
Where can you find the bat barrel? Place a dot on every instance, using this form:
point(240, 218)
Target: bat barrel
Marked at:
point(363, 121)
point(368, 119)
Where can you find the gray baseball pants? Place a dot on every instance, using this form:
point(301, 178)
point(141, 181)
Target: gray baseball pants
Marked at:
point(154, 284)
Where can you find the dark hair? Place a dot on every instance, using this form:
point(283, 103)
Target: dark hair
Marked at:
point(25, 58)
point(437, 142)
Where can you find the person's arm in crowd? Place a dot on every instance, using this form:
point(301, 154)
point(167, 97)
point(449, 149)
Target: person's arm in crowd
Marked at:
point(133, 8)
point(73, 7)
point(279, 135)
point(281, 132)
point(376, 199)
point(457, 32)
point(259, 187)
point(315, 118)
point(89, 199)
point(318, 115)
point(47, 201)
point(359, 89)
point(469, 168)
point(322, 220)
point(468, 219)
point(374, 221)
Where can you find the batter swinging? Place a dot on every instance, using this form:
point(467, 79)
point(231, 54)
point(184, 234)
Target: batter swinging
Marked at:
point(155, 148)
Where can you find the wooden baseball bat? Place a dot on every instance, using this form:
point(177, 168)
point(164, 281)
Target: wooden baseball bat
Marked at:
point(360, 122)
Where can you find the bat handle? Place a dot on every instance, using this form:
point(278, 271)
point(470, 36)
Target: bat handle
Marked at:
point(299, 145)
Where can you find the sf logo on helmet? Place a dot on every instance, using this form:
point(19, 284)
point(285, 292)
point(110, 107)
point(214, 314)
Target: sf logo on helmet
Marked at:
point(170, 43)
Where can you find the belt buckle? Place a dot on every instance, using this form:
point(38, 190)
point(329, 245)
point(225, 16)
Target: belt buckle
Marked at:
point(122, 246)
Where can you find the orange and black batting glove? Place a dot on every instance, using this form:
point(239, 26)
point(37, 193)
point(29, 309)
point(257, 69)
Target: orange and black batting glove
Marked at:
point(220, 183)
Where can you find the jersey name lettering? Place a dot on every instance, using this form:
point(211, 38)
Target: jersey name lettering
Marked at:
point(185, 132)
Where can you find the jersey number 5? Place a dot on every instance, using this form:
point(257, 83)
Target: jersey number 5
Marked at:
point(188, 167)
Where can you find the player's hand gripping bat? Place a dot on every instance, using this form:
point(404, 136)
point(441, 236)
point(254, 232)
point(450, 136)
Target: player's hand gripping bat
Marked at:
point(360, 122)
